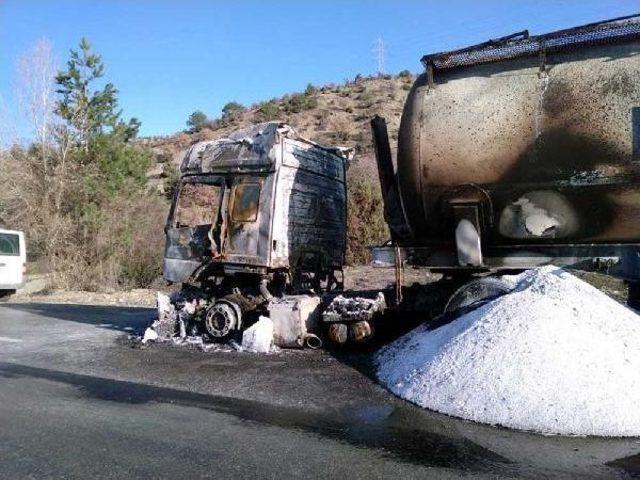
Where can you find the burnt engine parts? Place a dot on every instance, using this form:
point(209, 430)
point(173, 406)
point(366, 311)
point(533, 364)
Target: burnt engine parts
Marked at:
point(296, 320)
point(351, 320)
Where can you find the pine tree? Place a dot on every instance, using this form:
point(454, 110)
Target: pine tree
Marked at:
point(88, 111)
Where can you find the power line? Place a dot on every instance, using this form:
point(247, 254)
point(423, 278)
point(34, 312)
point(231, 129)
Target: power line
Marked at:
point(379, 52)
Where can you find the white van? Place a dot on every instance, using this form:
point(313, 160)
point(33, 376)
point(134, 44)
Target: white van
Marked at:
point(13, 261)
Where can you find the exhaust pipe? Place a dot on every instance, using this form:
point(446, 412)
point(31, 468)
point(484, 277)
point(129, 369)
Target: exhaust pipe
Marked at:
point(393, 214)
point(383, 156)
point(312, 341)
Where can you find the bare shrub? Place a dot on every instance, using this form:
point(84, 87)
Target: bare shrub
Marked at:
point(132, 235)
point(36, 70)
point(365, 218)
point(340, 127)
point(124, 250)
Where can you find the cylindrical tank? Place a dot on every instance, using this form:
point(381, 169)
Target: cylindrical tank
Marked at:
point(543, 136)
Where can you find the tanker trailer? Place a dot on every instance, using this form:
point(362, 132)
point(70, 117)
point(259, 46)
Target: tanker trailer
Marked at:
point(519, 152)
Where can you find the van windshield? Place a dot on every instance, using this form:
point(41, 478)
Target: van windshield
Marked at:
point(9, 244)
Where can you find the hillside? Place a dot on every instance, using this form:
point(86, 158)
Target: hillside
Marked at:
point(331, 114)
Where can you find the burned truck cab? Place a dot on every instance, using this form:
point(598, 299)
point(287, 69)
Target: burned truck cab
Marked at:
point(257, 214)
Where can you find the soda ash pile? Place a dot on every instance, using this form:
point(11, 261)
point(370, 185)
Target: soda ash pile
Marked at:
point(555, 356)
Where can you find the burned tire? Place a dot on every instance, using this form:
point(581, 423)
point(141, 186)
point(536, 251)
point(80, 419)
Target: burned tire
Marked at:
point(222, 320)
point(476, 293)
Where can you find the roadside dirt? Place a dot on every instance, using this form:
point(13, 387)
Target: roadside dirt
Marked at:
point(137, 297)
point(358, 278)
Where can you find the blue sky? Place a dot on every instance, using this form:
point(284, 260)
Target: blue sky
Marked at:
point(169, 58)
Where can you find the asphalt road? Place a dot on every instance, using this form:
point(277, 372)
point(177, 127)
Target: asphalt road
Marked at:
point(78, 401)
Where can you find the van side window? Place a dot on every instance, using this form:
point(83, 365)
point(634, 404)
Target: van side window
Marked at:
point(9, 244)
point(245, 202)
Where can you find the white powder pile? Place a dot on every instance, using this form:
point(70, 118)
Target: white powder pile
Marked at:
point(554, 356)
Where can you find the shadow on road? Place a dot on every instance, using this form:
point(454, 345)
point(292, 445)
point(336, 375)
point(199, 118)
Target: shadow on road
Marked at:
point(408, 434)
point(372, 430)
point(125, 319)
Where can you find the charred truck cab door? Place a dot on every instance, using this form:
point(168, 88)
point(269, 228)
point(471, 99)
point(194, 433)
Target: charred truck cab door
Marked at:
point(195, 210)
point(244, 218)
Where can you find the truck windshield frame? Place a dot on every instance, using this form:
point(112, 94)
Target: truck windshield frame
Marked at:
point(203, 206)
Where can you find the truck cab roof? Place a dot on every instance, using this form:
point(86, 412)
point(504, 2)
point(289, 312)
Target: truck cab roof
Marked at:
point(247, 149)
